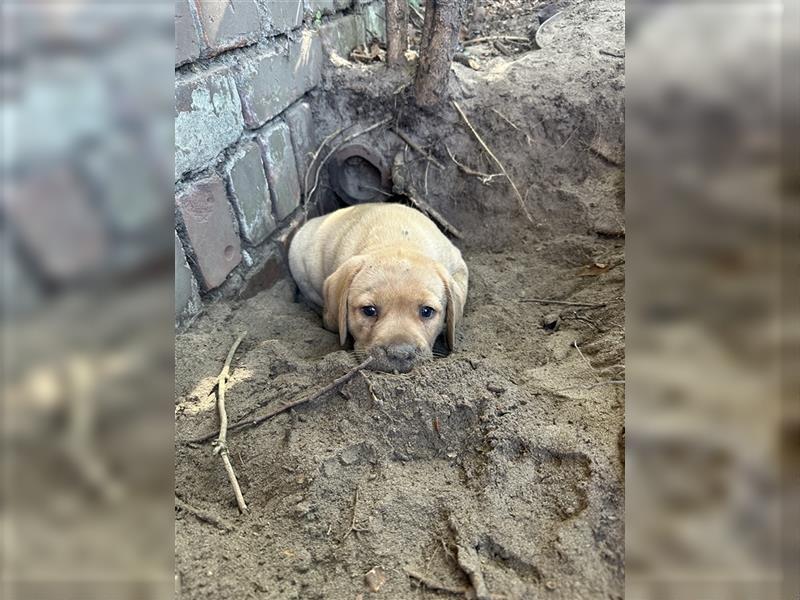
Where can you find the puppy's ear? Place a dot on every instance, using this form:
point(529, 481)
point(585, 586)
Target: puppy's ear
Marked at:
point(456, 290)
point(334, 291)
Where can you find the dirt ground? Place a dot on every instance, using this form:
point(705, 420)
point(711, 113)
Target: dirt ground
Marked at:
point(497, 470)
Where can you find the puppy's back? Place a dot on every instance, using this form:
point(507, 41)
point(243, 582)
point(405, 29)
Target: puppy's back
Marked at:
point(324, 243)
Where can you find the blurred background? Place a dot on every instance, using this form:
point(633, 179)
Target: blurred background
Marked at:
point(86, 222)
point(712, 423)
point(86, 225)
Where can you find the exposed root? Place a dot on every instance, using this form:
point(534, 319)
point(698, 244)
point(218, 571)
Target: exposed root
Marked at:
point(496, 160)
point(486, 178)
point(417, 148)
point(349, 138)
point(436, 216)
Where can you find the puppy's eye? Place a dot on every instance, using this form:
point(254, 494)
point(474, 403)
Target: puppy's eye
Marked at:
point(369, 311)
point(426, 312)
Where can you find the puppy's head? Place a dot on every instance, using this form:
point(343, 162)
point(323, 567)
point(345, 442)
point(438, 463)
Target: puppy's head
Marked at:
point(394, 306)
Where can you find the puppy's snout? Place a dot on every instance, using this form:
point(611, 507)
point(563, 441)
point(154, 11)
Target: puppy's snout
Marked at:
point(401, 352)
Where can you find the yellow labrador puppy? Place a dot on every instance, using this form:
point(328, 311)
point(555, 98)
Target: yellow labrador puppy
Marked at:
point(385, 274)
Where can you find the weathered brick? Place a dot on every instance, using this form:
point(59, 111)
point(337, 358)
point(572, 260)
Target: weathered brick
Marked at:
point(276, 148)
point(274, 81)
point(298, 117)
point(187, 298)
point(208, 118)
point(128, 187)
point(207, 217)
point(57, 225)
point(342, 35)
point(187, 41)
point(250, 194)
point(375, 21)
point(284, 15)
point(269, 271)
point(228, 24)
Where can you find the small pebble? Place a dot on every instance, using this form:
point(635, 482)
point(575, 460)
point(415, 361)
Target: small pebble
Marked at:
point(375, 578)
point(303, 561)
point(495, 389)
point(550, 585)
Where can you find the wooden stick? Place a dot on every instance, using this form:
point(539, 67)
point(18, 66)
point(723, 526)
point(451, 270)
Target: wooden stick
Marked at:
point(417, 148)
point(436, 216)
point(496, 38)
point(221, 443)
point(284, 407)
point(434, 585)
point(496, 160)
point(561, 302)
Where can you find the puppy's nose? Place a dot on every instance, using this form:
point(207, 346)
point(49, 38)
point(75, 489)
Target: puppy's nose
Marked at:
point(401, 352)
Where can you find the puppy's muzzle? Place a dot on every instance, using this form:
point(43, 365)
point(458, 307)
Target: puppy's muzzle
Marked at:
point(399, 358)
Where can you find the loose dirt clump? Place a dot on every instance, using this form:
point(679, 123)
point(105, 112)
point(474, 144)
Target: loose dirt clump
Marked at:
point(497, 470)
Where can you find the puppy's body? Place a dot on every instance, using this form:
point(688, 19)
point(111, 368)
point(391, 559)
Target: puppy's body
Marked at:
point(389, 258)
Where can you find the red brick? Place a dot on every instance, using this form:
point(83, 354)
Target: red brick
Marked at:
point(57, 225)
point(206, 215)
point(187, 42)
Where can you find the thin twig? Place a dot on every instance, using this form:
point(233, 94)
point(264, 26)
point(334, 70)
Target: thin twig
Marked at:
point(569, 137)
point(561, 302)
point(594, 385)
point(435, 585)
point(609, 53)
point(505, 118)
point(586, 360)
point(353, 528)
point(314, 158)
point(203, 515)
point(496, 160)
point(221, 443)
point(427, 168)
point(486, 178)
point(578, 317)
point(436, 216)
point(361, 186)
point(286, 406)
point(417, 148)
point(510, 122)
point(418, 14)
point(496, 38)
point(349, 138)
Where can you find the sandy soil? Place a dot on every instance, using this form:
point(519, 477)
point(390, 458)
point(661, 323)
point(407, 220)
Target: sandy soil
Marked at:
point(498, 469)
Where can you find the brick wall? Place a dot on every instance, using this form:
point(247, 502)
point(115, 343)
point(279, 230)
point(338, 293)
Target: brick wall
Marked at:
point(246, 75)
